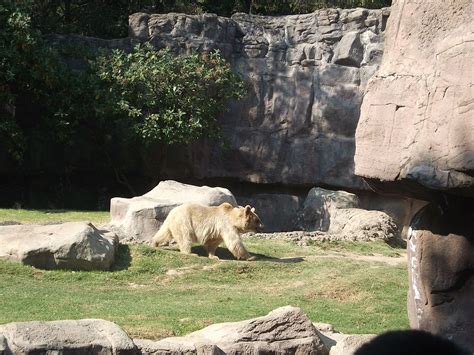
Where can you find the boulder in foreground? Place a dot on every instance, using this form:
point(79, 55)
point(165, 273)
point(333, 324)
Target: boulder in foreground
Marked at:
point(286, 330)
point(79, 337)
point(72, 245)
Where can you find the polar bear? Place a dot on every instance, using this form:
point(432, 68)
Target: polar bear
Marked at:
point(210, 226)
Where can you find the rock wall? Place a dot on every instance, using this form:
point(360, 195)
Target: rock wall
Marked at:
point(417, 117)
point(306, 75)
point(415, 137)
point(441, 272)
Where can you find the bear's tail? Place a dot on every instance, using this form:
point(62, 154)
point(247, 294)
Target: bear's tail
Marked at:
point(163, 236)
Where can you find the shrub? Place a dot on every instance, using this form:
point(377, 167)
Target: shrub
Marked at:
point(166, 98)
point(115, 98)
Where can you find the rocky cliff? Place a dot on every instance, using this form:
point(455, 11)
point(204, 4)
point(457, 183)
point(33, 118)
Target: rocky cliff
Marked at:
point(306, 76)
point(417, 117)
point(415, 137)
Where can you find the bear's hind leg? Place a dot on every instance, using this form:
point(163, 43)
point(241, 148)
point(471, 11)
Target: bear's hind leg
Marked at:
point(182, 235)
point(211, 246)
point(185, 246)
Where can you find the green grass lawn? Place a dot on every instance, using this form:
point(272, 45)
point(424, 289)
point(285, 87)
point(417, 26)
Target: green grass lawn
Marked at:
point(51, 216)
point(154, 293)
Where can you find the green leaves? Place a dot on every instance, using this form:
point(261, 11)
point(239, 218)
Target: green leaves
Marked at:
point(169, 99)
point(114, 99)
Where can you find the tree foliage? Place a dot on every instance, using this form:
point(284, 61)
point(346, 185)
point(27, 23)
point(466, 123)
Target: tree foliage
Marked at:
point(28, 71)
point(116, 97)
point(167, 98)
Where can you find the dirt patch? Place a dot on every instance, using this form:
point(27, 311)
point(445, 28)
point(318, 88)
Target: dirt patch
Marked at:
point(338, 293)
point(390, 260)
point(171, 274)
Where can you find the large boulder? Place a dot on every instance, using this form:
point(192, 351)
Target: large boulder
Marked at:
point(286, 330)
point(79, 337)
point(441, 272)
point(319, 206)
point(177, 346)
point(306, 75)
point(416, 125)
point(139, 218)
point(362, 225)
point(72, 245)
point(415, 137)
point(277, 211)
point(349, 344)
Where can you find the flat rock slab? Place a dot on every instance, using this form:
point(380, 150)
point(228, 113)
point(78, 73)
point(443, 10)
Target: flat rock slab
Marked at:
point(286, 330)
point(85, 336)
point(72, 245)
point(139, 218)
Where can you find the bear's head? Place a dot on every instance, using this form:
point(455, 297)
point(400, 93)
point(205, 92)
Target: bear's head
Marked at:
point(248, 220)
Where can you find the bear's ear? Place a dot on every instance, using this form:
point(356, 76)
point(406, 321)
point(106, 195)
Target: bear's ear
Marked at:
point(253, 209)
point(247, 209)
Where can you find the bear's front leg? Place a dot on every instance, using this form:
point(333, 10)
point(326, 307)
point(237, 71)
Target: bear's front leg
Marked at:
point(235, 245)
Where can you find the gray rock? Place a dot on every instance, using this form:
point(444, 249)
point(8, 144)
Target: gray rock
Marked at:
point(176, 346)
point(348, 344)
point(286, 330)
point(139, 218)
point(319, 206)
point(278, 212)
point(138, 25)
point(72, 245)
point(440, 249)
point(362, 225)
point(349, 51)
point(415, 127)
point(324, 327)
point(85, 336)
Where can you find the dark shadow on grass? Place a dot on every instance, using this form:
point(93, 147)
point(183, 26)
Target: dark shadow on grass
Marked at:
point(123, 259)
point(52, 211)
point(225, 254)
point(397, 243)
point(222, 253)
point(10, 223)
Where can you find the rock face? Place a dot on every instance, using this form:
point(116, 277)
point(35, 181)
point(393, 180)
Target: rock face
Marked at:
point(72, 245)
point(306, 75)
point(286, 330)
point(441, 273)
point(86, 336)
point(278, 211)
point(415, 137)
point(417, 117)
point(139, 218)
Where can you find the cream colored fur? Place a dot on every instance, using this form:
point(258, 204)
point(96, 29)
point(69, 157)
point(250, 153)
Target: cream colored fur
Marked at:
point(209, 226)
